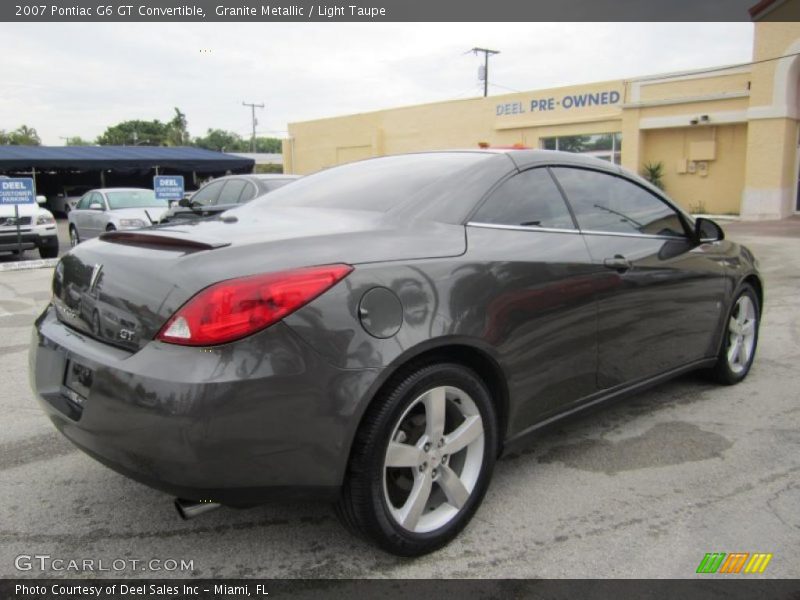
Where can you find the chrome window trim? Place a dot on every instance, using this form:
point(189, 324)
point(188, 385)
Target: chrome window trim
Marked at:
point(520, 227)
point(649, 236)
point(581, 231)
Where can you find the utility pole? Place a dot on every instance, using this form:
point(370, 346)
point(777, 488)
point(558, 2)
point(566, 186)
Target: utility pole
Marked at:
point(253, 108)
point(486, 53)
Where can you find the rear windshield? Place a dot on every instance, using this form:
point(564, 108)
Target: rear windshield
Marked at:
point(377, 185)
point(133, 199)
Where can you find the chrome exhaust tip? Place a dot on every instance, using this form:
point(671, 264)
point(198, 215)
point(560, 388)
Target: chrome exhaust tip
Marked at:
point(189, 509)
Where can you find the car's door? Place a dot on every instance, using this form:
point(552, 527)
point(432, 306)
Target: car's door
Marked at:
point(95, 219)
point(531, 293)
point(662, 306)
point(78, 216)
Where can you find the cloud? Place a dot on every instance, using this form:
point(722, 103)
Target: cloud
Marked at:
point(77, 79)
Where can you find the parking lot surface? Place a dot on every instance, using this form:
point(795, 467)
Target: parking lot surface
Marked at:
point(641, 488)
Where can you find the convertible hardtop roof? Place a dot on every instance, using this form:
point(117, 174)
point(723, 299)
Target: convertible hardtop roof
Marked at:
point(525, 158)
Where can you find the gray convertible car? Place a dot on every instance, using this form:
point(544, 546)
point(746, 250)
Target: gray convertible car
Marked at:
point(377, 334)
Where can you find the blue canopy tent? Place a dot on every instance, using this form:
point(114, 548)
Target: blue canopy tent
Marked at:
point(58, 171)
point(121, 158)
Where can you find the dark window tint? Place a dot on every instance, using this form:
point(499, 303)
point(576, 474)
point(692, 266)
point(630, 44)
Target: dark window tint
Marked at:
point(378, 184)
point(248, 193)
point(231, 192)
point(207, 194)
point(530, 199)
point(603, 202)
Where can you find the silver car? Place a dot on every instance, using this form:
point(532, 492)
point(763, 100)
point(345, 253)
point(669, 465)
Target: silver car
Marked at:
point(110, 209)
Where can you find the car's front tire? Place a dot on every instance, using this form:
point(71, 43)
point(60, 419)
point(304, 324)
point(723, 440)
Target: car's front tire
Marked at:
point(49, 248)
point(739, 338)
point(421, 461)
point(74, 238)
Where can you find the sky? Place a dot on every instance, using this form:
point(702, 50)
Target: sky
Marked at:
point(76, 79)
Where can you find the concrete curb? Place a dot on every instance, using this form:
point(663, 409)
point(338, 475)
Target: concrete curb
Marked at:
point(24, 265)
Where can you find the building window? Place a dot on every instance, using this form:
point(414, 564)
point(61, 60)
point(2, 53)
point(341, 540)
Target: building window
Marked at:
point(605, 146)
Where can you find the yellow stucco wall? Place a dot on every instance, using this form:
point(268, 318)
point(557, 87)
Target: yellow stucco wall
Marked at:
point(702, 86)
point(717, 188)
point(771, 160)
point(753, 167)
point(456, 124)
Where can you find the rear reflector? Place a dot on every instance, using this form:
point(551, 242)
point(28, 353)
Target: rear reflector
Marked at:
point(236, 308)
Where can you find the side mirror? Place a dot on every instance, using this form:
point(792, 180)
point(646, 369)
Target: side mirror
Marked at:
point(95, 206)
point(184, 202)
point(706, 230)
point(41, 200)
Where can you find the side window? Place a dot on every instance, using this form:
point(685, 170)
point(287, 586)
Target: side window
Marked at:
point(230, 193)
point(248, 193)
point(603, 202)
point(83, 203)
point(97, 199)
point(530, 199)
point(208, 194)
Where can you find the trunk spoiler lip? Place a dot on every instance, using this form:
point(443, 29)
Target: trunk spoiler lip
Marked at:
point(159, 240)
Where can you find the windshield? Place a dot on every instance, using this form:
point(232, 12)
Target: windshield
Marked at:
point(378, 184)
point(133, 199)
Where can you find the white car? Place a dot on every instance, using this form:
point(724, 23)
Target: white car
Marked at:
point(65, 201)
point(111, 209)
point(37, 229)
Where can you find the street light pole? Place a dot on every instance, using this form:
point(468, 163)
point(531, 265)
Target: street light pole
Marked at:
point(486, 53)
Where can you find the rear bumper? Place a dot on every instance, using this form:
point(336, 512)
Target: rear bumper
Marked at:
point(240, 424)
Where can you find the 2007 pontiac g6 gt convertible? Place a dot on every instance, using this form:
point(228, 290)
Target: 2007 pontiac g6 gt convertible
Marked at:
point(377, 334)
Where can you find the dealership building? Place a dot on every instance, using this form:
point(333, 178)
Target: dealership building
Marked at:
point(726, 137)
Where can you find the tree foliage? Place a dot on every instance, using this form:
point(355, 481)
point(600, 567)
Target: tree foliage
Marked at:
point(77, 140)
point(21, 136)
point(228, 141)
point(138, 132)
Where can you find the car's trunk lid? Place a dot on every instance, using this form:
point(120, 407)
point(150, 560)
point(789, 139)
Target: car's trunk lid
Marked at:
point(124, 286)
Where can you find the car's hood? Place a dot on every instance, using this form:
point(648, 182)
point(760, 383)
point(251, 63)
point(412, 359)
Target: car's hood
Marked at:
point(148, 274)
point(25, 210)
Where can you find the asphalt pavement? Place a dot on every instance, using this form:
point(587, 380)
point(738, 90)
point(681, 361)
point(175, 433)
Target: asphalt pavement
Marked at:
point(642, 488)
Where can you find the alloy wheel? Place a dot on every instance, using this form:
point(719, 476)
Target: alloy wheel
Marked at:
point(433, 460)
point(741, 334)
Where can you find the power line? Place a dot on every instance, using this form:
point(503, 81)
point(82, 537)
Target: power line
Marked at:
point(506, 88)
point(716, 69)
point(255, 122)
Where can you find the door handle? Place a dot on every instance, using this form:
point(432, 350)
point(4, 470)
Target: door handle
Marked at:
point(618, 263)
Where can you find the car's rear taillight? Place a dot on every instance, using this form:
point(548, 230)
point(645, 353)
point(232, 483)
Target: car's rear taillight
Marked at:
point(236, 308)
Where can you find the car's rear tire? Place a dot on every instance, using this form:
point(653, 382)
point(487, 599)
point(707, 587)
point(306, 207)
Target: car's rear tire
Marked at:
point(739, 338)
point(421, 461)
point(74, 238)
